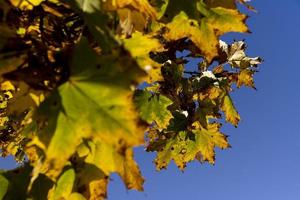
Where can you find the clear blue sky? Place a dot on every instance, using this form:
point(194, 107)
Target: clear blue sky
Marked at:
point(264, 163)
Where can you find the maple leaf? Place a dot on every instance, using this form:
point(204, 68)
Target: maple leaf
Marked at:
point(114, 158)
point(140, 46)
point(92, 182)
point(83, 127)
point(153, 107)
point(185, 146)
point(245, 77)
point(236, 55)
point(131, 21)
point(94, 103)
point(216, 21)
point(63, 187)
point(228, 108)
point(133, 14)
point(208, 109)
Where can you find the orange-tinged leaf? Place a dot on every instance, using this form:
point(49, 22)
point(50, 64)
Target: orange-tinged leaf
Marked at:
point(245, 77)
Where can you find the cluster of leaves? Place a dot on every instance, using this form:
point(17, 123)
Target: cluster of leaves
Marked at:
point(69, 98)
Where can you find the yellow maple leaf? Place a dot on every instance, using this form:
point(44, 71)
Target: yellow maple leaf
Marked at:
point(205, 31)
point(116, 159)
point(228, 108)
point(245, 77)
point(140, 46)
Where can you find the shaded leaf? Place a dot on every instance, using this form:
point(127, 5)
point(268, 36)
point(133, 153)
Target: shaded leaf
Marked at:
point(153, 107)
point(4, 186)
point(97, 22)
point(92, 182)
point(18, 178)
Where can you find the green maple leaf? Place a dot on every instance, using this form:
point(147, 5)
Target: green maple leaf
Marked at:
point(64, 185)
point(153, 108)
point(95, 103)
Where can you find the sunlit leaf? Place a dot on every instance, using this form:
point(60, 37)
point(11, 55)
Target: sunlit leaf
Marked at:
point(237, 57)
point(245, 77)
point(64, 185)
point(231, 114)
point(76, 196)
point(83, 82)
point(94, 103)
point(116, 159)
point(205, 32)
point(142, 6)
point(140, 46)
point(186, 146)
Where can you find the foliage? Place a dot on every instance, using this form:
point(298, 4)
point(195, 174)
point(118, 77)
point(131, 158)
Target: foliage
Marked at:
point(71, 101)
